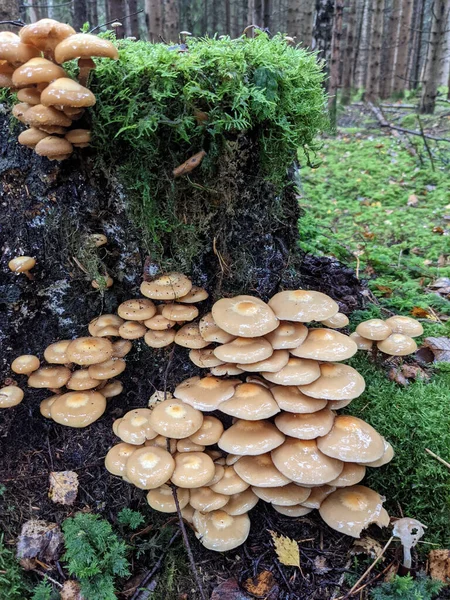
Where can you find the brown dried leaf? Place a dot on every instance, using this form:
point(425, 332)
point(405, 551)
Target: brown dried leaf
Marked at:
point(71, 590)
point(421, 313)
point(229, 590)
point(367, 545)
point(320, 565)
point(396, 375)
point(287, 550)
point(63, 487)
point(439, 565)
point(386, 291)
point(263, 586)
point(413, 200)
point(440, 347)
point(414, 372)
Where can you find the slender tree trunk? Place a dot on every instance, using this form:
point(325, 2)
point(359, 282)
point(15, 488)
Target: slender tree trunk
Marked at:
point(227, 17)
point(335, 56)
point(80, 14)
point(415, 44)
point(435, 57)
point(444, 67)
point(304, 21)
point(374, 64)
point(293, 19)
point(133, 21)
point(391, 47)
point(33, 11)
point(171, 21)
point(93, 13)
point(363, 46)
point(267, 21)
point(401, 63)
point(250, 12)
point(258, 20)
point(153, 10)
point(9, 11)
point(349, 54)
point(214, 16)
point(323, 28)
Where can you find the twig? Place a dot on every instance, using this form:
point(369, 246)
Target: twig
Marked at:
point(18, 23)
point(362, 587)
point(117, 19)
point(427, 147)
point(441, 460)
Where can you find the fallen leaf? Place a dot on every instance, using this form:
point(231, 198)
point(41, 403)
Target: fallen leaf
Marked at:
point(440, 347)
point(441, 282)
point(71, 590)
point(229, 590)
point(422, 313)
point(367, 545)
point(63, 487)
point(320, 565)
point(414, 372)
point(287, 550)
point(396, 375)
point(439, 565)
point(159, 396)
point(413, 200)
point(386, 291)
point(439, 230)
point(262, 586)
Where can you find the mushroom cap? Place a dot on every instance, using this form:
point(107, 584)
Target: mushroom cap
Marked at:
point(45, 34)
point(405, 325)
point(137, 309)
point(29, 95)
point(21, 264)
point(226, 369)
point(205, 393)
point(204, 358)
point(209, 433)
point(326, 344)
point(338, 321)
point(250, 401)
point(287, 335)
point(303, 306)
point(219, 531)
point(179, 312)
point(49, 377)
point(361, 342)
point(397, 344)
point(84, 45)
point(307, 426)
point(192, 470)
point(159, 323)
point(98, 239)
point(37, 70)
point(244, 316)
point(112, 388)
point(273, 364)
point(78, 409)
point(134, 427)
point(352, 440)
point(386, 457)
point(149, 467)
point(54, 148)
point(159, 339)
point(80, 138)
point(45, 405)
point(96, 326)
point(169, 286)
point(211, 332)
point(162, 500)
point(175, 419)
point(6, 81)
point(352, 474)
point(19, 111)
point(89, 351)
point(302, 461)
point(219, 470)
point(117, 457)
point(132, 330)
point(162, 442)
point(64, 92)
point(30, 137)
point(260, 471)
point(250, 438)
point(292, 511)
point(205, 500)
point(336, 382)
point(298, 371)
point(187, 445)
point(374, 329)
point(318, 495)
point(240, 504)
point(350, 510)
point(13, 51)
point(10, 395)
point(56, 353)
point(25, 364)
point(188, 514)
point(230, 483)
point(121, 348)
point(287, 495)
point(81, 380)
point(290, 399)
point(196, 294)
point(244, 350)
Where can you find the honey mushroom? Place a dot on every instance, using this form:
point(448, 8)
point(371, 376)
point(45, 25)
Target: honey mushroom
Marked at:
point(22, 264)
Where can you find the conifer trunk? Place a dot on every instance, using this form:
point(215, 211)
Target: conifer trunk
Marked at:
point(335, 54)
point(363, 47)
point(153, 15)
point(390, 55)
point(374, 63)
point(349, 54)
point(401, 63)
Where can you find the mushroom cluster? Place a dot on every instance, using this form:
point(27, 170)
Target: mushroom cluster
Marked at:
point(50, 102)
point(394, 336)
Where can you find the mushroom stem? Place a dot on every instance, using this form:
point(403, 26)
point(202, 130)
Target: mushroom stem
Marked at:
point(29, 275)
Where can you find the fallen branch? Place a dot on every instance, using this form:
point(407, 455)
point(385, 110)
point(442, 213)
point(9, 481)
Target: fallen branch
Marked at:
point(441, 460)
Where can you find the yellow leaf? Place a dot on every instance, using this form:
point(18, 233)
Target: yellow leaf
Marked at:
point(287, 550)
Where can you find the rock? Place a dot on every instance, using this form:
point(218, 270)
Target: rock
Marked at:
point(41, 540)
point(71, 590)
point(63, 487)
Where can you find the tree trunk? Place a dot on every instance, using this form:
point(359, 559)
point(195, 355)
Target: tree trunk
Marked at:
point(93, 13)
point(9, 11)
point(153, 11)
point(416, 55)
point(435, 57)
point(391, 47)
point(133, 21)
point(363, 46)
point(80, 15)
point(335, 64)
point(250, 13)
point(294, 19)
point(323, 28)
point(171, 21)
point(349, 54)
point(301, 14)
point(227, 17)
point(267, 21)
point(258, 20)
point(401, 63)
point(374, 64)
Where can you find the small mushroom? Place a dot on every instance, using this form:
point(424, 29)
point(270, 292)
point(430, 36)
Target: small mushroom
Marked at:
point(287, 335)
point(250, 438)
point(78, 409)
point(45, 34)
point(102, 282)
point(79, 138)
point(107, 369)
point(192, 470)
point(10, 395)
point(56, 353)
point(19, 111)
point(298, 371)
point(98, 239)
point(219, 531)
point(81, 380)
point(136, 310)
point(112, 389)
point(318, 495)
point(307, 426)
point(405, 325)
point(103, 325)
point(244, 316)
point(187, 445)
point(273, 364)
point(134, 427)
point(351, 474)
point(22, 264)
point(211, 332)
point(89, 350)
point(190, 164)
point(179, 312)
point(244, 350)
point(397, 344)
point(290, 399)
point(292, 511)
point(121, 348)
point(117, 457)
point(205, 393)
point(303, 306)
point(159, 339)
point(37, 70)
point(361, 342)
point(175, 419)
point(326, 345)
point(49, 377)
point(30, 137)
point(169, 286)
point(54, 148)
point(25, 364)
point(196, 294)
point(338, 321)
point(204, 358)
point(132, 330)
point(149, 467)
point(374, 329)
point(205, 500)
point(209, 433)
point(162, 500)
point(242, 503)
point(189, 337)
point(230, 483)
point(409, 531)
point(260, 471)
point(45, 406)
point(251, 402)
point(31, 96)
point(85, 46)
point(386, 457)
point(287, 495)
point(64, 92)
point(336, 382)
point(226, 369)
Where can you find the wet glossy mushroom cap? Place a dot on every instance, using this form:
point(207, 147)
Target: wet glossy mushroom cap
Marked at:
point(89, 350)
point(13, 51)
point(37, 70)
point(350, 510)
point(45, 34)
point(138, 309)
point(387, 456)
point(287, 495)
point(112, 389)
point(232, 459)
point(292, 511)
point(187, 445)
point(78, 409)
point(162, 442)
point(81, 380)
point(108, 369)
point(117, 457)
point(196, 294)
point(54, 148)
point(397, 344)
point(179, 312)
point(49, 377)
point(31, 96)
point(205, 393)
point(205, 500)
point(219, 531)
point(47, 118)
point(209, 433)
point(374, 329)
point(225, 369)
point(240, 504)
point(211, 332)
point(97, 325)
point(352, 440)
point(10, 395)
point(158, 322)
point(132, 330)
point(21, 264)
point(175, 419)
point(260, 471)
point(45, 405)
point(188, 513)
point(159, 339)
point(64, 92)
point(302, 461)
point(25, 364)
point(338, 321)
point(361, 342)
point(162, 500)
point(244, 350)
point(336, 382)
point(250, 438)
point(121, 348)
point(303, 306)
point(290, 399)
point(84, 45)
point(189, 337)
point(169, 286)
point(405, 325)
point(287, 335)
point(134, 427)
point(205, 358)
point(306, 426)
point(351, 474)
point(19, 111)
point(79, 138)
point(149, 467)
point(318, 495)
point(7, 69)
point(230, 483)
point(56, 353)
point(250, 401)
point(192, 470)
point(273, 364)
point(298, 371)
point(326, 344)
point(244, 316)
point(30, 137)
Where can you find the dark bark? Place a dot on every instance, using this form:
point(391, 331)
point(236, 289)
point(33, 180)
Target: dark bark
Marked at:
point(333, 84)
point(80, 14)
point(267, 14)
point(133, 21)
point(115, 9)
point(93, 13)
point(349, 54)
point(323, 29)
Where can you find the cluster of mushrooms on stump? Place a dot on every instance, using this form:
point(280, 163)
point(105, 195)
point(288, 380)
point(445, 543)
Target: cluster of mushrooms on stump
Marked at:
point(274, 386)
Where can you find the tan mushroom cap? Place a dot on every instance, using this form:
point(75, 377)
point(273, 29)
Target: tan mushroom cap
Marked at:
point(244, 316)
point(250, 438)
point(211, 332)
point(97, 325)
point(30, 137)
point(13, 51)
point(273, 364)
point(134, 427)
point(302, 461)
point(64, 92)
point(242, 503)
point(81, 380)
point(219, 531)
point(219, 470)
point(45, 34)
point(290, 399)
point(250, 401)
point(298, 371)
point(84, 45)
point(318, 495)
point(49, 377)
point(338, 321)
point(258, 380)
point(336, 382)
point(361, 342)
point(169, 286)
point(56, 353)
point(229, 369)
point(159, 323)
point(80, 138)
point(117, 457)
point(387, 456)
point(232, 459)
point(162, 500)
point(338, 404)
point(162, 442)
point(397, 344)
point(159, 339)
point(206, 393)
point(287, 335)
point(112, 388)
point(244, 350)
point(192, 470)
point(37, 70)
point(6, 68)
point(326, 344)
point(205, 358)
point(179, 312)
point(45, 405)
point(287, 495)
point(78, 409)
point(260, 471)
point(292, 511)
point(108, 369)
point(175, 419)
point(303, 306)
point(188, 513)
point(350, 510)
point(25, 364)
point(196, 294)
point(374, 329)
point(54, 148)
point(351, 475)
point(47, 118)
point(21, 264)
point(121, 348)
point(307, 426)
point(138, 309)
point(6, 81)
point(189, 337)
point(209, 433)
point(132, 330)
point(31, 96)
point(230, 483)
point(187, 445)
point(352, 440)
point(89, 350)
point(19, 111)
point(405, 325)
point(10, 395)
point(205, 500)
point(149, 467)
